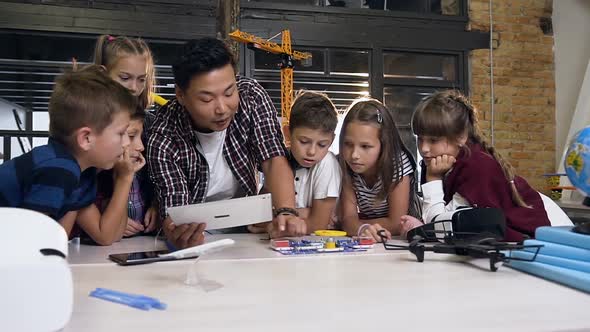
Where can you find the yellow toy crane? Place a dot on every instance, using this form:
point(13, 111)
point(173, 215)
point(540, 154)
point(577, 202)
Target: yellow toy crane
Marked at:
point(287, 57)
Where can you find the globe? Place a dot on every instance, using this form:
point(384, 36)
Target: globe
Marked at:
point(577, 161)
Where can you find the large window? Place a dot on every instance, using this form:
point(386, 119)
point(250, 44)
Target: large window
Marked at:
point(344, 74)
point(440, 7)
point(28, 69)
point(420, 66)
point(402, 100)
point(410, 76)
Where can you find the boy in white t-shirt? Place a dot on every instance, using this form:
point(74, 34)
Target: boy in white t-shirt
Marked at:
point(316, 171)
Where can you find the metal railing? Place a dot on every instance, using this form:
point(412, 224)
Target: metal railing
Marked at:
point(7, 136)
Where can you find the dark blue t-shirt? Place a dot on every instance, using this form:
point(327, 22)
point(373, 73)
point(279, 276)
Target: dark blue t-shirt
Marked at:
point(47, 179)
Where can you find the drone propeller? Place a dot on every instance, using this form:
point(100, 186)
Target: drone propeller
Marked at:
point(488, 241)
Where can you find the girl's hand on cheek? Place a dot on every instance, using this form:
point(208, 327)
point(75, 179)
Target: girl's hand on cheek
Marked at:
point(438, 167)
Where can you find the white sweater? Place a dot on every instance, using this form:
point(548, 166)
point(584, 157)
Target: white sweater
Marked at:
point(434, 204)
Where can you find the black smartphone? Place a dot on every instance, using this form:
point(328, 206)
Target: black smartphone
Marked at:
point(142, 257)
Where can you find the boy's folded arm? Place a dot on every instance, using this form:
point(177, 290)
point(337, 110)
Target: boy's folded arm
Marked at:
point(68, 221)
point(108, 227)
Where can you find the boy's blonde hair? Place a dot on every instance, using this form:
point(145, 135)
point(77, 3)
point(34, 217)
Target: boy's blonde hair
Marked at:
point(108, 50)
point(86, 98)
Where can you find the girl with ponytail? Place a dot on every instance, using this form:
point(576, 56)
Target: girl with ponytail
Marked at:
point(129, 61)
point(460, 168)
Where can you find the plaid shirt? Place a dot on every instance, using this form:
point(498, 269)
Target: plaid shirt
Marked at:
point(180, 173)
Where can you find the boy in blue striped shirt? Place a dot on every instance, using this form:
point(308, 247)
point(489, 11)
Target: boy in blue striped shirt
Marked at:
point(88, 118)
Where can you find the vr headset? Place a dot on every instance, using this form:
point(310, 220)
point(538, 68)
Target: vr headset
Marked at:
point(466, 223)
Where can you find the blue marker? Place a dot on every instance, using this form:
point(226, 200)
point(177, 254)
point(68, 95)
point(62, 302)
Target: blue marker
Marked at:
point(136, 301)
point(154, 303)
point(122, 300)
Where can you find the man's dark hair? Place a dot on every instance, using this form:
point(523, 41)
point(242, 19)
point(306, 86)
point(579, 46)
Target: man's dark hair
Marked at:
point(201, 56)
point(313, 110)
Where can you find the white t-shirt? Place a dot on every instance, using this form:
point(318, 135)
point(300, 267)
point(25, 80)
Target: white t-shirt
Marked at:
point(320, 181)
point(434, 204)
point(222, 183)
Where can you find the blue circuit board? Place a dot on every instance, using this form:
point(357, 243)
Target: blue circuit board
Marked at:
point(320, 245)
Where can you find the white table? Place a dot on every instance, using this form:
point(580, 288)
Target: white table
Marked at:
point(261, 290)
point(247, 246)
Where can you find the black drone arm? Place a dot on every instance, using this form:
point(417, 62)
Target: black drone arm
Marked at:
point(485, 247)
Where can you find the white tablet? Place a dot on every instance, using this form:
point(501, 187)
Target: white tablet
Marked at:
point(226, 213)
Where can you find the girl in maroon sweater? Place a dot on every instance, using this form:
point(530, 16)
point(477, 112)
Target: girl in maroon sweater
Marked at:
point(460, 168)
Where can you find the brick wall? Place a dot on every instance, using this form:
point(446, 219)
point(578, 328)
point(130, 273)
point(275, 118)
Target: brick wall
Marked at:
point(524, 85)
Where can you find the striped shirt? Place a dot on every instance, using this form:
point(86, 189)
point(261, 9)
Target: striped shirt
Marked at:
point(369, 207)
point(178, 169)
point(47, 179)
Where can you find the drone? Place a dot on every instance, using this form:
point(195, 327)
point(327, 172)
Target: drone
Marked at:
point(473, 232)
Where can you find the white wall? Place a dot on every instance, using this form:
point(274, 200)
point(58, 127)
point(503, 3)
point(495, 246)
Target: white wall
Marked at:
point(571, 24)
